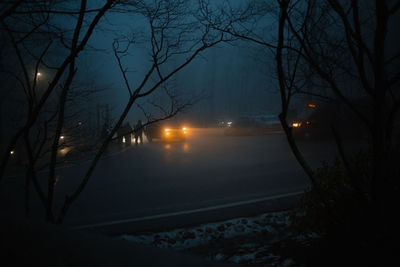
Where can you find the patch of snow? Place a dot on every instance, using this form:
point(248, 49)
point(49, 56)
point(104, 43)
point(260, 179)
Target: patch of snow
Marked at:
point(191, 237)
point(185, 238)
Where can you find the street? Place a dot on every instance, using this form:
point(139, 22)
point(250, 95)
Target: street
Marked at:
point(207, 171)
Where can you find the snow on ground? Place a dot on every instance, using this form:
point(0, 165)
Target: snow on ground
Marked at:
point(237, 231)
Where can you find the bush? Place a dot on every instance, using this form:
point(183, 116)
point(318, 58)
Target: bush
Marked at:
point(340, 213)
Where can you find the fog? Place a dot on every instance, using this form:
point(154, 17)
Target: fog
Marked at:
point(227, 80)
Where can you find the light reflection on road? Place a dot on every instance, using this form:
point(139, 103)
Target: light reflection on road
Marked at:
point(177, 147)
point(174, 152)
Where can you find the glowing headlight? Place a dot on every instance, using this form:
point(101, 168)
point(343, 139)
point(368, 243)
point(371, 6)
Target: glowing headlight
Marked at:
point(296, 124)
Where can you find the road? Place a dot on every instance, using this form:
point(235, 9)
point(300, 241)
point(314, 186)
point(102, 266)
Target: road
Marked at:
point(206, 173)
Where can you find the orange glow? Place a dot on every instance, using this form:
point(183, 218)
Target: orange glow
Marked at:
point(64, 151)
point(296, 124)
point(186, 147)
point(311, 105)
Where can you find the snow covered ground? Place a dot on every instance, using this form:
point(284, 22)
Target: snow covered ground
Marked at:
point(240, 240)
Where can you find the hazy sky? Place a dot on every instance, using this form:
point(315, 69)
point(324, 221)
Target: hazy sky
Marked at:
point(229, 77)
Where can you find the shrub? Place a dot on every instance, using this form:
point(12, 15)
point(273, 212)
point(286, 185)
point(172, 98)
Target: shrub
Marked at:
point(342, 215)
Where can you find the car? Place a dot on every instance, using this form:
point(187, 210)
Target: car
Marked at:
point(223, 123)
point(246, 127)
point(167, 131)
point(305, 128)
point(316, 121)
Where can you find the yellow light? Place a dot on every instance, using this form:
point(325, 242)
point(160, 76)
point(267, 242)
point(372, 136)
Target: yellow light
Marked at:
point(311, 105)
point(184, 132)
point(167, 130)
point(12, 152)
point(123, 139)
point(62, 137)
point(167, 133)
point(38, 74)
point(184, 128)
point(296, 124)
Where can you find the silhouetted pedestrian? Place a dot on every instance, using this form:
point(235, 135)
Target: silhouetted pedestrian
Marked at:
point(138, 132)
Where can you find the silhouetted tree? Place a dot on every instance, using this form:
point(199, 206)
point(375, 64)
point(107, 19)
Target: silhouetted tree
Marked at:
point(38, 40)
point(174, 37)
point(344, 49)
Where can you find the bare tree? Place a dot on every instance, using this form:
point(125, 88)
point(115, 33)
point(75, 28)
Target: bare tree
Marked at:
point(171, 38)
point(350, 55)
point(37, 102)
point(342, 48)
point(37, 39)
point(175, 39)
